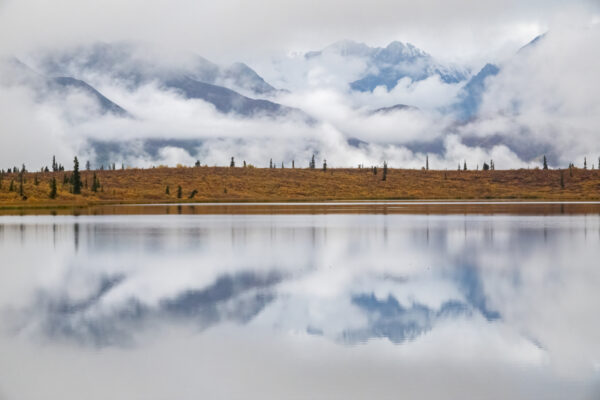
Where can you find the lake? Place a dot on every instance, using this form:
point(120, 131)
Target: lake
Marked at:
point(301, 301)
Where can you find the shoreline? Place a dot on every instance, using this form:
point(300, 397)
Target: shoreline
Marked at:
point(223, 185)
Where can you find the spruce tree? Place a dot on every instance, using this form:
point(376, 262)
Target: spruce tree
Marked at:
point(167, 190)
point(465, 165)
point(584, 163)
point(232, 163)
point(385, 169)
point(427, 162)
point(95, 183)
point(179, 191)
point(21, 184)
point(52, 193)
point(294, 166)
point(271, 163)
point(312, 164)
point(324, 165)
point(76, 178)
point(545, 165)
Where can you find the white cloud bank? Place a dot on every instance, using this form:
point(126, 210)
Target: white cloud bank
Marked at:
point(553, 85)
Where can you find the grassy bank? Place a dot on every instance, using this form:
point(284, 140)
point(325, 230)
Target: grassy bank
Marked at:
point(222, 184)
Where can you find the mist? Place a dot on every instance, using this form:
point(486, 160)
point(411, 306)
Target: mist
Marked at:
point(553, 83)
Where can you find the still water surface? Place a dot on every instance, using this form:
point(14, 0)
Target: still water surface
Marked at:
point(307, 305)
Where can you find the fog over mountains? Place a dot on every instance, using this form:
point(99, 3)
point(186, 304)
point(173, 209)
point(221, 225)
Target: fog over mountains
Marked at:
point(348, 102)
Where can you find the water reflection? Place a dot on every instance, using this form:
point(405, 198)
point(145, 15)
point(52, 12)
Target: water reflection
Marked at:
point(360, 293)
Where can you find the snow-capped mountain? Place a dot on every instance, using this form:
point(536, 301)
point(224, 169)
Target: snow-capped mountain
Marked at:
point(193, 78)
point(385, 66)
point(15, 72)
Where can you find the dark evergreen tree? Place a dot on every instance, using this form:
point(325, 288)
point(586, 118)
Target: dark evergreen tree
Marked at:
point(584, 163)
point(374, 170)
point(53, 189)
point(194, 193)
point(244, 163)
point(271, 163)
point(88, 166)
point(427, 162)
point(232, 163)
point(21, 193)
point(385, 170)
point(545, 165)
point(465, 165)
point(324, 165)
point(54, 164)
point(485, 167)
point(179, 192)
point(312, 164)
point(167, 190)
point(197, 163)
point(571, 170)
point(76, 178)
point(293, 166)
point(95, 183)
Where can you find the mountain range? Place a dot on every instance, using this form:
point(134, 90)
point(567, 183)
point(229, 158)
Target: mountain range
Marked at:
point(240, 91)
point(236, 89)
point(387, 65)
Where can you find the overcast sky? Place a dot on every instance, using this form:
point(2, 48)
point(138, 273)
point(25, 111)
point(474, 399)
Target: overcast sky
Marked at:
point(554, 85)
point(232, 29)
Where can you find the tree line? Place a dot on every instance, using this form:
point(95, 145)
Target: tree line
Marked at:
point(76, 184)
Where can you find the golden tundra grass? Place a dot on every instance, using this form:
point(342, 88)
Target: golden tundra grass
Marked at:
point(222, 184)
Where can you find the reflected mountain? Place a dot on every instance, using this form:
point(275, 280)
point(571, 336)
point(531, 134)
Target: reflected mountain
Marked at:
point(88, 321)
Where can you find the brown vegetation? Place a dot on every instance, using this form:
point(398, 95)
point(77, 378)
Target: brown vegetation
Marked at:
point(222, 184)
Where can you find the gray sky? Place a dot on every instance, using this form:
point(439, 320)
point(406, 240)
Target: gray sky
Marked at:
point(555, 84)
point(232, 30)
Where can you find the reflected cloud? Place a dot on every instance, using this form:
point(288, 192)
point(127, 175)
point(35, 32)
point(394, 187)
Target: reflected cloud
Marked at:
point(460, 290)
